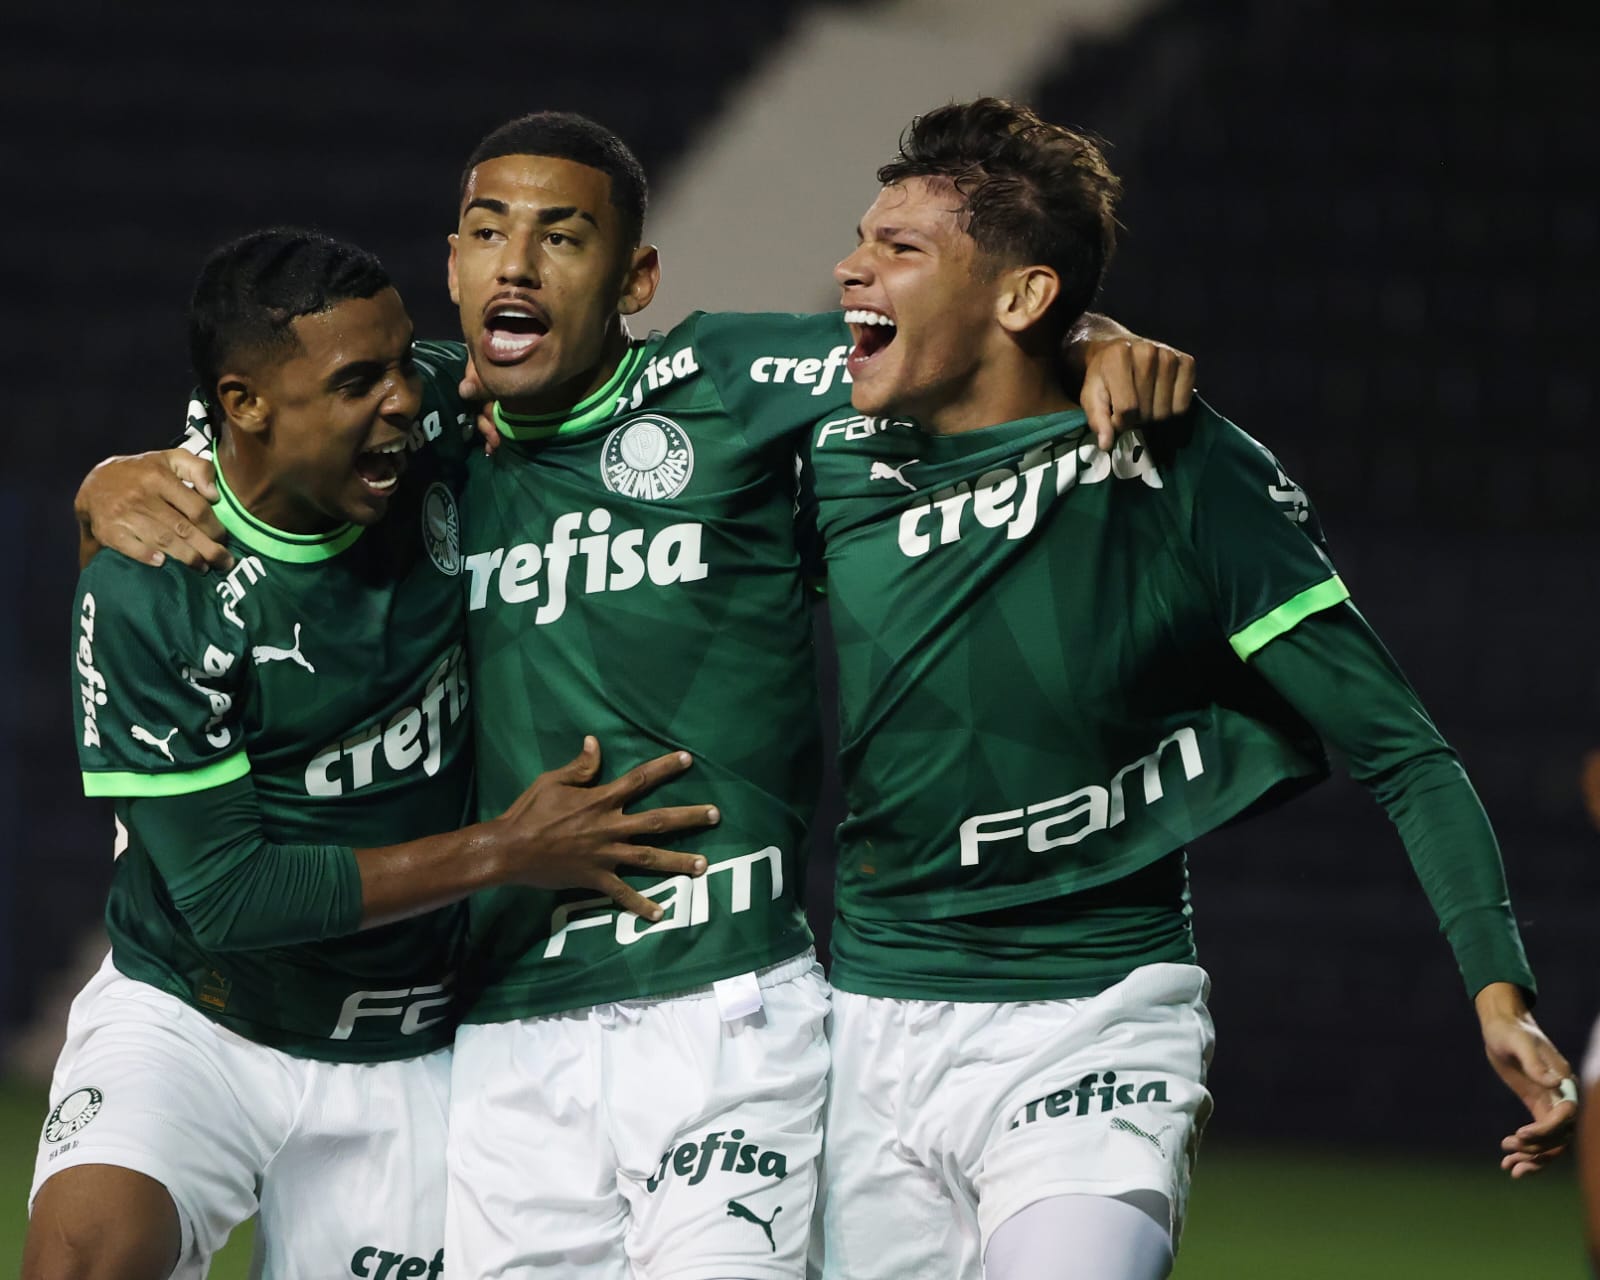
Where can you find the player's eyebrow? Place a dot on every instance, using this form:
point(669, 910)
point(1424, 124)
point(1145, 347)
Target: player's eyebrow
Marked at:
point(560, 213)
point(545, 217)
point(355, 371)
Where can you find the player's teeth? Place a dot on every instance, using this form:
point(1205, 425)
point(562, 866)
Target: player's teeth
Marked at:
point(868, 317)
point(381, 485)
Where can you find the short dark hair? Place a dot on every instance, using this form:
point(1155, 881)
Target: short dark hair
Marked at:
point(251, 290)
point(565, 135)
point(1034, 192)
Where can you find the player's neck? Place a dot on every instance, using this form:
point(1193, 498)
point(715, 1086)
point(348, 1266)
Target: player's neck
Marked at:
point(243, 467)
point(1000, 390)
point(567, 395)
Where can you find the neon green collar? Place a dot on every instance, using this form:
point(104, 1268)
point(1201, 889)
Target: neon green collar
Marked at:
point(296, 548)
point(593, 408)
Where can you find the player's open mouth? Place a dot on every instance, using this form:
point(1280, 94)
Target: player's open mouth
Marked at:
point(380, 468)
point(872, 330)
point(511, 331)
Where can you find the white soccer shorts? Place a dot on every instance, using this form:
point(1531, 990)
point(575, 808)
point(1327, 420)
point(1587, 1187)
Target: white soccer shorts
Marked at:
point(343, 1161)
point(642, 1140)
point(945, 1119)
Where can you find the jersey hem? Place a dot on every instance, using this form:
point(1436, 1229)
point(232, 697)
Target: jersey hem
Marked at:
point(508, 1003)
point(140, 785)
point(1288, 615)
point(293, 1044)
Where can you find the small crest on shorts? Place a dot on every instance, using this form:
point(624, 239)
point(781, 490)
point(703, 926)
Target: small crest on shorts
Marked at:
point(72, 1113)
point(647, 457)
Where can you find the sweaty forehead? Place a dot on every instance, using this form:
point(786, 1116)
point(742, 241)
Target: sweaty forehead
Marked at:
point(930, 205)
point(354, 329)
point(540, 182)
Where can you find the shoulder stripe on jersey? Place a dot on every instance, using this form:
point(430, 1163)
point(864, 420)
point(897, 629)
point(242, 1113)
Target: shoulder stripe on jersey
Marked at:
point(593, 408)
point(216, 774)
point(1288, 615)
point(296, 548)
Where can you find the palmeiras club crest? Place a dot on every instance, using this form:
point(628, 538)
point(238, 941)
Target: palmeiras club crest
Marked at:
point(441, 528)
point(72, 1113)
point(647, 457)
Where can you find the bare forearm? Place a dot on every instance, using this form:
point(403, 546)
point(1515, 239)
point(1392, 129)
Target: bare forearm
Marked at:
point(402, 880)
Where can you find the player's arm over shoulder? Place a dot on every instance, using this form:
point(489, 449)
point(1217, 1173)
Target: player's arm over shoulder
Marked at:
point(778, 372)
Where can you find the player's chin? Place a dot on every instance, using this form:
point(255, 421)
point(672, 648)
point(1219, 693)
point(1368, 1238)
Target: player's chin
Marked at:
point(365, 503)
point(871, 397)
point(529, 376)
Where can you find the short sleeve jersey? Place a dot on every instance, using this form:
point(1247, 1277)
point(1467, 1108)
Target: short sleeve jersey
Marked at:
point(328, 669)
point(1041, 650)
point(632, 573)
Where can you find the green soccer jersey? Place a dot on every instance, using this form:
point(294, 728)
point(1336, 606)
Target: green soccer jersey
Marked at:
point(1042, 692)
point(632, 573)
point(329, 671)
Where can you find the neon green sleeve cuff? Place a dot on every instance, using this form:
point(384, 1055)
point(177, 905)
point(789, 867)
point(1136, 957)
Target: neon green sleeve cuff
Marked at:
point(1288, 615)
point(216, 774)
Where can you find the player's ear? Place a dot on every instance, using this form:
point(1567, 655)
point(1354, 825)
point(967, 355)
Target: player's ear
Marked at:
point(1024, 296)
point(450, 270)
point(242, 404)
point(641, 280)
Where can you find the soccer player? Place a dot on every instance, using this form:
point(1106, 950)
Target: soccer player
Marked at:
point(1056, 668)
point(288, 747)
point(627, 1096)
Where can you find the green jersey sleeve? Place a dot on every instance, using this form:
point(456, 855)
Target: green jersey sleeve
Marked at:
point(1257, 538)
point(777, 374)
point(157, 667)
point(236, 889)
point(1373, 718)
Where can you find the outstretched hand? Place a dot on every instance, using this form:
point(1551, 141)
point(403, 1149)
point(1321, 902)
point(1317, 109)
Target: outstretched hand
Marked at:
point(564, 832)
point(149, 506)
point(1533, 1069)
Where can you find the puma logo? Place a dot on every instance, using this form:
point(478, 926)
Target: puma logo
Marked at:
point(737, 1210)
point(271, 653)
point(1154, 1139)
point(141, 734)
point(883, 471)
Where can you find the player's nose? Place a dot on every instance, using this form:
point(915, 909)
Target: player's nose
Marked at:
point(853, 269)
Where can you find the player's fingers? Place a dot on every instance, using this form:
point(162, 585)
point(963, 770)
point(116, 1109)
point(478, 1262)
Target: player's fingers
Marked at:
point(582, 768)
point(652, 773)
point(1120, 379)
point(1144, 377)
point(470, 388)
point(1555, 1126)
point(1097, 408)
point(628, 899)
point(145, 538)
point(195, 524)
point(1183, 391)
point(487, 429)
point(655, 822)
point(194, 471)
point(666, 862)
point(1166, 382)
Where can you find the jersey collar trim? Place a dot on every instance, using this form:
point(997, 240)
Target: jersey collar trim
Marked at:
point(296, 548)
point(593, 408)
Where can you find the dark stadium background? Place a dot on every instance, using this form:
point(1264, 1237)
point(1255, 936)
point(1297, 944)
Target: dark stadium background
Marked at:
point(1373, 224)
